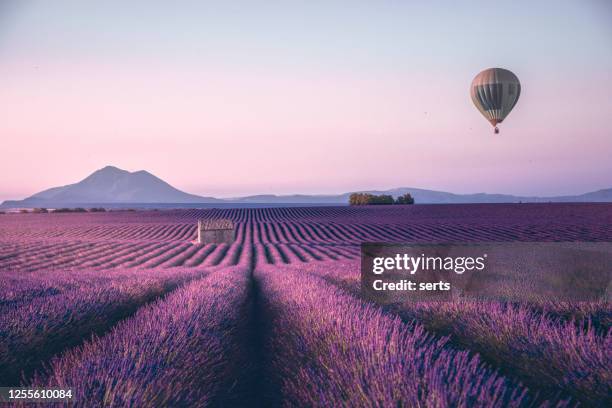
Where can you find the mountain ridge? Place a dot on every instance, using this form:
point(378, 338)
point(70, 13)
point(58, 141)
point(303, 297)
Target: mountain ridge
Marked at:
point(112, 185)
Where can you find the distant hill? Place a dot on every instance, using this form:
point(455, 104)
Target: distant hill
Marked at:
point(112, 186)
point(422, 196)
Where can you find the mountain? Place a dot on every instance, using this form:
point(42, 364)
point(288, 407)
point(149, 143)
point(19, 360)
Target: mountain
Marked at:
point(112, 186)
point(422, 196)
point(293, 199)
point(599, 196)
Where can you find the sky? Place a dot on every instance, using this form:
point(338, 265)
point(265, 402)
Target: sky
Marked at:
point(283, 97)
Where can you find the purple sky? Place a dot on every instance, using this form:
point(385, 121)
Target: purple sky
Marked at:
point(321, 97)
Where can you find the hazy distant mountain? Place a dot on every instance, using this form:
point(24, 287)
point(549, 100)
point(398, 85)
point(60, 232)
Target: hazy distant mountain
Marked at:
point(422, 196)
point(604, 195)
point(111, 185)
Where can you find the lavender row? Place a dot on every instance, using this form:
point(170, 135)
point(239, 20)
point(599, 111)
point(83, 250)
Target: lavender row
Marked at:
point(24, 257)
point(330, 225)
point(184, 350)
point(119, 255)
point(550, 354)
point(586, 314)
point(50, 321)
point(327, 348)
point(19, 288)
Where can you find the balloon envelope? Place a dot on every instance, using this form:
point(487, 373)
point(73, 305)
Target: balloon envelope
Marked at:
point(495, 91)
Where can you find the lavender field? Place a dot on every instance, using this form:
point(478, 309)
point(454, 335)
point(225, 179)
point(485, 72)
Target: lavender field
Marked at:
point(125, 308)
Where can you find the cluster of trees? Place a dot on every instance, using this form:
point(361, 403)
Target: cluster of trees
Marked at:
point(383, 199)
point(61, 210)
point(405, 199)
point(70, 210)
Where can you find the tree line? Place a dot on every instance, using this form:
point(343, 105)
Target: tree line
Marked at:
point(383, 199)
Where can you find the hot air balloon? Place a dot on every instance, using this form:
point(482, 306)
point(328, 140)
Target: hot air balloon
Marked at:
point(495, 91)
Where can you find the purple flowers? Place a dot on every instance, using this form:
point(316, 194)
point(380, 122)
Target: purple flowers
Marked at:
point(123, 308)
point(44, 313)
point(547, 353)
point(280, 235)
point(183, 350)
point(327, 348)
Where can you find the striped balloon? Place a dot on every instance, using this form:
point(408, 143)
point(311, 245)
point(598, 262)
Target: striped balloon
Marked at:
point(495, 91)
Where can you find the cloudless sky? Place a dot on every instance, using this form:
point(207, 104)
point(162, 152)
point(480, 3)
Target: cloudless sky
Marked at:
point(312, 97)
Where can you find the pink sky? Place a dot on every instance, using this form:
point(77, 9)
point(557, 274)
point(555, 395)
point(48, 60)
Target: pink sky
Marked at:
point(272, 125)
